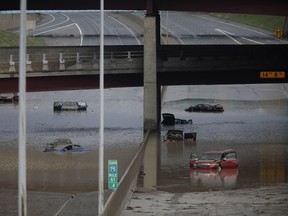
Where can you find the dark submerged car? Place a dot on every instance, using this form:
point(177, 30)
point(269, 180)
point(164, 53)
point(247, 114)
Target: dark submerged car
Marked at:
point(215, 160)
point(205, 108)
point(69, 105)
point(179, 135)
point(9, 99)
point(169, 119)
point(64, 145)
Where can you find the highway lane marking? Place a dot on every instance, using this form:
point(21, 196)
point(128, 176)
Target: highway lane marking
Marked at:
point(81, 34)
point(67, 19)
point(234, 25)
point(171, 32)
point(228, 34)
point(47, 23)
point(253, 41)
point(55, 29)
point(130, 30)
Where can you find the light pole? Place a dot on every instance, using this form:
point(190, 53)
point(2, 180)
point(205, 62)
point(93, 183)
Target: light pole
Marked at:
point(101, 126)
point(22, 197)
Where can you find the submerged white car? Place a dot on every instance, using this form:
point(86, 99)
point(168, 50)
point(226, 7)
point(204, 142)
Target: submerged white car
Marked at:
point(64, 145)
point(69, 105)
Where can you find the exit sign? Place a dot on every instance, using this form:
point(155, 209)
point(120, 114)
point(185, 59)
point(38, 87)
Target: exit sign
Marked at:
point(272, 74)
point(112, 174)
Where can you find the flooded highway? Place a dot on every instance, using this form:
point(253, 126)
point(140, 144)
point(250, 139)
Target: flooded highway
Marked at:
point(254, 123)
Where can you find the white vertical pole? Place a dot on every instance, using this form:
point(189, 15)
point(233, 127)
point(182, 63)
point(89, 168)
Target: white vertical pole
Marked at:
point(167, 27)
point(22, 198)
point(101, 127)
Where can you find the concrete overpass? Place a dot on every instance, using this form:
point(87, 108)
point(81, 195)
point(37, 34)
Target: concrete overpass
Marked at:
point(276, 7)
point(71, 68)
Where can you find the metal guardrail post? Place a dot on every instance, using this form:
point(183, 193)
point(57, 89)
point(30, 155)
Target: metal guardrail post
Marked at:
point(78, 62)
point(45, 63)
point(11, 64)
point(129, 56)
point(95, 63)
point(78, 58)
point(28, 63)
point(61, 62)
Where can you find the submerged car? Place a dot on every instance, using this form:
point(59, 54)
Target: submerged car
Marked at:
point(179, 135)
point(9, 99)
point(69, 105)
point(169, 119)
point(216, 160)
point(64, 145)
point(205, 108)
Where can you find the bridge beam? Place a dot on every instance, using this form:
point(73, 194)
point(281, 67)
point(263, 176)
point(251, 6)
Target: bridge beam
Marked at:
point(151, 89)
point(151, 100)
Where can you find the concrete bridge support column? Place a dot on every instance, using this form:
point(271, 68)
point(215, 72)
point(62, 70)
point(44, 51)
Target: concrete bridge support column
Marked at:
point(151, 90)
point(152, 161)
point(152, 98)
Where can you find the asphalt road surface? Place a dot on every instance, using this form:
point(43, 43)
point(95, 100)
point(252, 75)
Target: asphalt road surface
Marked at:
point(127, 28)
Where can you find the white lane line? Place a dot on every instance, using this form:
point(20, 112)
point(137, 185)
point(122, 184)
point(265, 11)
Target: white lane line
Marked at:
point(43, 32)
point(54, 29)
point(234, 25)
point(253, 41)
point(81, 34)
point(172, 33)
point(47, 23)
point(130, 30)
point(228, 34)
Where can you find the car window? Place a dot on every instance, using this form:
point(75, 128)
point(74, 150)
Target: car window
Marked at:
point(62, 141)
point(231, 155)
point(215, 156)
point(69, 147)
point(68, 103)
point(76, 147)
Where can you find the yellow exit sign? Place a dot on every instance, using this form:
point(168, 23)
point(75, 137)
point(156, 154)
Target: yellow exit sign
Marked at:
point(272, 74)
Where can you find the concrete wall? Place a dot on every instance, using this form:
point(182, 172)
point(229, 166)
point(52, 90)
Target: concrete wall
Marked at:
point(11, 21)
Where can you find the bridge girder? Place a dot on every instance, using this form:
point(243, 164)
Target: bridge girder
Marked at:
point(275, 7)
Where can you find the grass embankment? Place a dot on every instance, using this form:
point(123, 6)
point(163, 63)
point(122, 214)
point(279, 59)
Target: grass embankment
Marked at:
point(12, 39)
point(267, 22)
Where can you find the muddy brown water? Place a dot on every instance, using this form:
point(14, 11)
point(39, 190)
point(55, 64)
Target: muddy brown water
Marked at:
point(256, 129)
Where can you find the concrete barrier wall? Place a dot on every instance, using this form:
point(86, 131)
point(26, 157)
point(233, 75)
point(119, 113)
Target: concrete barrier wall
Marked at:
point(11, 21)
point(127, 184)
point(71, 59)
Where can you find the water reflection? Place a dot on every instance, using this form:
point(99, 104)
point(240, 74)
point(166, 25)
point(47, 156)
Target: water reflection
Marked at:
point(212, 179)
point(272, 166)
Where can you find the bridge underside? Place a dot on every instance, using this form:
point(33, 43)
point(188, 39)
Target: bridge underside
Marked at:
point(276, 7)
point(61, 83)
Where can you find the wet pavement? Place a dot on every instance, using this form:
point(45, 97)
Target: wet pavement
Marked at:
point(262, 201)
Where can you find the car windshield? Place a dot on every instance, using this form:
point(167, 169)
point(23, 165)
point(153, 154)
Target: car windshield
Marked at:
point(68, 103)
point(62, 141)
point(211, 156)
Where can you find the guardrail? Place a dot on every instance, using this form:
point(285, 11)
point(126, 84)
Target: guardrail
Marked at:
point(127, 184)
point(51, 59)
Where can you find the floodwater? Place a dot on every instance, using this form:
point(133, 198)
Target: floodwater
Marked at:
point(254, 123)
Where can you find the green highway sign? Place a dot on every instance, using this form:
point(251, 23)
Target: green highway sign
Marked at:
point(112, 174)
